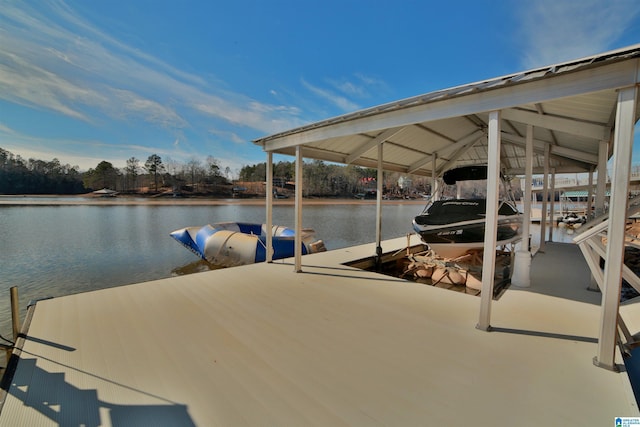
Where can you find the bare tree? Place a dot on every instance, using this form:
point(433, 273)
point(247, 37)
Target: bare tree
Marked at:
point(131, 173)
point(195, 170)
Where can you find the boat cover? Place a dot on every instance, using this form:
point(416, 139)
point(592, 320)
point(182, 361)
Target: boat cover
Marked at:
point(443, 212)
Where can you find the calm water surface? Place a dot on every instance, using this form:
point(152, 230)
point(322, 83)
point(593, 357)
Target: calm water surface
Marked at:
point(62, 250)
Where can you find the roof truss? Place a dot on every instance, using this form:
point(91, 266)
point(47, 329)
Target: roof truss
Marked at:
point(571, 107)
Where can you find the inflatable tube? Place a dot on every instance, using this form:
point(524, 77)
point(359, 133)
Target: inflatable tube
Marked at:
point(230, 244)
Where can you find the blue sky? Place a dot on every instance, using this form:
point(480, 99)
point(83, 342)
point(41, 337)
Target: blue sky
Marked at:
point(86, 81)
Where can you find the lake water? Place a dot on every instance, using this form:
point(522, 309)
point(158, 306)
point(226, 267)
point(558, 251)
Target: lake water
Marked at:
point(50, 251)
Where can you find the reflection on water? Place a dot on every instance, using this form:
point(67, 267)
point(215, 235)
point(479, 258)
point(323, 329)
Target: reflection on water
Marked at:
point(61, 250)
point(194, 267)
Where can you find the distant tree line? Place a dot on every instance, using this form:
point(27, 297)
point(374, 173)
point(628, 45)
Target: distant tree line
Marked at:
point(19, 176)
point(154, 175)
point(332, 180)
point(32, 176)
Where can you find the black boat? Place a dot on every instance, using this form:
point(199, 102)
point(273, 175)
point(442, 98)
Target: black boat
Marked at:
point(453, 222)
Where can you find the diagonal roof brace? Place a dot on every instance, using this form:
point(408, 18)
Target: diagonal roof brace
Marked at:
point(369, 145)
point(471, 138)
point(574, 154)
point(561, 124)
point(461, 151)
point(556, 150)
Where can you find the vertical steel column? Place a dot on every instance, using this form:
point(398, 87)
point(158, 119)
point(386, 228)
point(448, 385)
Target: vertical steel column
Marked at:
point(269, 203)
point(545, 196)
point(491, 225)
point(521, 275)
point(552, 202)
point(434, 176)
point(601, 182)
point(379, 179)
point(622, 150)
point(589, 211)
point(298, 210)
point(528, 178)
point(593, 283)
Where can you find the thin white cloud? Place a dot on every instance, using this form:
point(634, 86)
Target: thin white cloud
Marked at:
point(558, 30)
point(248, 113)
point(347, 94)
point(90, 41)
point(4, 129)
point(84, 153)
point(360, 86)
point(26, 83)
point(74, 153)
point(234, 137)
point(370, 81)
point(53, 59)
point(350, 88)
point(130, 104)
point(334, 98)
point(228, 136)
point(47, 65)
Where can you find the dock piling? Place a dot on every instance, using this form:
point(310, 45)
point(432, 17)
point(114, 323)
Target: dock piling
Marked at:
point(15, 312)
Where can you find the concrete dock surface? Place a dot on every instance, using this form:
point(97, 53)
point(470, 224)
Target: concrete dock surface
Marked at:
point(262, 345)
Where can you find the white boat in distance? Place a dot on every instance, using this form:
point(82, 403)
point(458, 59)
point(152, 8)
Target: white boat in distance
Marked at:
point(453, 221)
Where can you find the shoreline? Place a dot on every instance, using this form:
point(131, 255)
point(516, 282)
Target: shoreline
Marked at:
point(83, 200)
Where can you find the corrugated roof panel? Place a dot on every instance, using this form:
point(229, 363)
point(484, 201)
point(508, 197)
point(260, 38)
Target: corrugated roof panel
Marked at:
point(342, 145)
point(594, 107)
point(613, 56)
point(417, 138)
point(558, 122)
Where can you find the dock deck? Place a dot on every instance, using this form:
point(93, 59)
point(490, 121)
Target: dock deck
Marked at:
point(262, 345)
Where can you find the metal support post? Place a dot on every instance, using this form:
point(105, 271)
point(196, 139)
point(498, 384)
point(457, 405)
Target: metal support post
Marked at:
point(15, 312)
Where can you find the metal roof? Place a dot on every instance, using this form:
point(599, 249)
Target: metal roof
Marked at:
point(570, 105)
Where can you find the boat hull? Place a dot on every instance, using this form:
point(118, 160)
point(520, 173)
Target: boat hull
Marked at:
point(453, 240)
point(452, 227)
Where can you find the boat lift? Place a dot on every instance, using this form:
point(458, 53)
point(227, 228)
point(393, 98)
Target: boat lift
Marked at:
point(462, 273)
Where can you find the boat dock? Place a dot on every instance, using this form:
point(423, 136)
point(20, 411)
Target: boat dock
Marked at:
point(332, 345)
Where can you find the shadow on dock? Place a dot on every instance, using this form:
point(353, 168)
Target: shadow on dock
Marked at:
point(72, 406)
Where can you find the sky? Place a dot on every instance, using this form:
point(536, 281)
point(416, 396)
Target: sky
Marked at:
point(91, 81)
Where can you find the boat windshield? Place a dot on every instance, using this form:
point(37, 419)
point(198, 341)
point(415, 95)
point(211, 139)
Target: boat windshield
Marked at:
point(476, 189)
